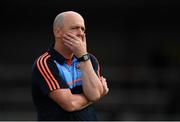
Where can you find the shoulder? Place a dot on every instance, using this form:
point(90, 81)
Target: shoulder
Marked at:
point(93, 58)
point(95, 64)
point(94, 61)
point(42, 60)
point(44, 73)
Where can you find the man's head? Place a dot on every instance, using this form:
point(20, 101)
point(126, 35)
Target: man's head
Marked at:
point(68, 21)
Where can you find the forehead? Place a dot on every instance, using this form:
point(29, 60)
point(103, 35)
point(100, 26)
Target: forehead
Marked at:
point(73, 20)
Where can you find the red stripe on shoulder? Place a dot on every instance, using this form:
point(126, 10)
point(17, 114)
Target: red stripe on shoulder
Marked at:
point(50, 73)
point(41, 70)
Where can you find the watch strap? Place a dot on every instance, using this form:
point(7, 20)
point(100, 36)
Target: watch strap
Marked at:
point(84, 58)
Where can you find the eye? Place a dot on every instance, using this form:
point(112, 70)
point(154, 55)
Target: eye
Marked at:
point(83, 29)
point(74, 28)
point(77, 28)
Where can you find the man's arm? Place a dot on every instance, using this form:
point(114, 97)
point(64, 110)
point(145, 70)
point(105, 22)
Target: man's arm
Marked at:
point(92, 85)
point(68, 101)
point(46, 77)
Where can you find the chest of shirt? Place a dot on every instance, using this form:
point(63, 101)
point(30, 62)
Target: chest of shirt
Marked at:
point(69, 74)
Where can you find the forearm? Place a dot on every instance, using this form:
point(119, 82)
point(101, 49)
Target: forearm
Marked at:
point(92, 85)
point(79, 101)
point(68, 101)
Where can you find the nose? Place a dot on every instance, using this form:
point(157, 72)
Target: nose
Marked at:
point(80, 32)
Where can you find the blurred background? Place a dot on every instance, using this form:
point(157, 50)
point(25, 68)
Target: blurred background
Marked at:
point(136, 42)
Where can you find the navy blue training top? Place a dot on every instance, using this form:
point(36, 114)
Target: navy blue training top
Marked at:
point(52, 71)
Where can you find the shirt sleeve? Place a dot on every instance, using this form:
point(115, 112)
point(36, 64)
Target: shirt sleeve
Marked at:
point(95, 64)
point(46, 75)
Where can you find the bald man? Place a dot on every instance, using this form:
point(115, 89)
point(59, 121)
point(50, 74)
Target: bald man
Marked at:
point(66, 80)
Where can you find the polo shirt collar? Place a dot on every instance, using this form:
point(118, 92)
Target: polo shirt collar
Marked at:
point(57, 56)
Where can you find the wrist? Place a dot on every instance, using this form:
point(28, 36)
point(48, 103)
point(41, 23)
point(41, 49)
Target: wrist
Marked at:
point(84, 58)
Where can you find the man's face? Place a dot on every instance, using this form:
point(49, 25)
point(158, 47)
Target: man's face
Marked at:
point(74, 24)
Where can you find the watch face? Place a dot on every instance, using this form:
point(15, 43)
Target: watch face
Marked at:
point(86, 57)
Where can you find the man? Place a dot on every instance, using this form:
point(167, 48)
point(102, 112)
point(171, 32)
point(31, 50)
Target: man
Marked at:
point(66, 79)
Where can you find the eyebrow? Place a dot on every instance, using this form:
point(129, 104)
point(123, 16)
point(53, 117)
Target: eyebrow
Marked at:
point(83, 28)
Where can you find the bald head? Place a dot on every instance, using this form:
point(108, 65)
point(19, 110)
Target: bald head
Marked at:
point(62, 17)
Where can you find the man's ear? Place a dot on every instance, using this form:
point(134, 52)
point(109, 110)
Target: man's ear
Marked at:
point(57, 32)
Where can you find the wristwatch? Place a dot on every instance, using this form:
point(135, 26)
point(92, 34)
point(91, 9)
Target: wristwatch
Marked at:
point(84, 58)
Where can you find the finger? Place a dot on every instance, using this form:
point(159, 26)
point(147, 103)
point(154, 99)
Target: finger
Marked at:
point(67, 41)
point(67, 38)
point(68, 45)
point(102, 79)
point(104, 85)
point(72, 36)
point(75, 38)
point(107, 90)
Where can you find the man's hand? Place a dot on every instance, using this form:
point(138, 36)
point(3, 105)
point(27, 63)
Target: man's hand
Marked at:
point(76, 44)
point(105, 86)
